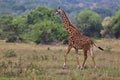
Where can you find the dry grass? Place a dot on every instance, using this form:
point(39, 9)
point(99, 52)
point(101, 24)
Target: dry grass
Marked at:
point(44, 62)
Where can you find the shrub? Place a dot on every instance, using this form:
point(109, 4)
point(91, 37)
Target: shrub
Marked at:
point(10, 53)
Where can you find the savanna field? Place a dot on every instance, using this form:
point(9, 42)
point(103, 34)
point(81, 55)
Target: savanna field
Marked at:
point(20, 61)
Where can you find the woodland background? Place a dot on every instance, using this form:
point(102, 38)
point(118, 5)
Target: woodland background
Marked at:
point(31, 20)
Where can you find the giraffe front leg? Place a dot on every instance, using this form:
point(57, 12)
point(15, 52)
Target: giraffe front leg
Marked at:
point(65, 56)
point(85, 58)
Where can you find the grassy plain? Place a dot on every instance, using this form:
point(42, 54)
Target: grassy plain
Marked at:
point(19, 61)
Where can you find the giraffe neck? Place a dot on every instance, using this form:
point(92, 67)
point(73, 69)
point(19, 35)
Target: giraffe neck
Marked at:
point(69, 27)
point(65, 19)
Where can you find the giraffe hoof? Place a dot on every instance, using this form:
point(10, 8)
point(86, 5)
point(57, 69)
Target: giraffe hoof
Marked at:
point(78, 67)
point(95, 67)
point(81, 67)
point(64, 66)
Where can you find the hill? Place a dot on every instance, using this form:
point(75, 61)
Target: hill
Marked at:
point(17, 7)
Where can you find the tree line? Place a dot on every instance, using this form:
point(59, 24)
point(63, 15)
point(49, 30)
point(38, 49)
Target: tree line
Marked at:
point(40, 26)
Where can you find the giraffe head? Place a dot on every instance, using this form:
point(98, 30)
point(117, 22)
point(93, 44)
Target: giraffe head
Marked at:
point(57, 11)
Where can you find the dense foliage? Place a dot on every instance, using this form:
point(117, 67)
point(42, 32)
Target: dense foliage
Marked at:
point(89, 23)
point(40, 26)
point(116, 25)
point(6, 27)
point(107, 27)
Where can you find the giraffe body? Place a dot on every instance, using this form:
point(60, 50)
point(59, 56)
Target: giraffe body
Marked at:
point(81, 41)
point(76, 40)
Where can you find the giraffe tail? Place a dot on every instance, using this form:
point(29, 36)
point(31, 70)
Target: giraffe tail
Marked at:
point(101, 48)
point(98, 47)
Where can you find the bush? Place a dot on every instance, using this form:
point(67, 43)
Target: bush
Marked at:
point(10, 53)
point(11, 39)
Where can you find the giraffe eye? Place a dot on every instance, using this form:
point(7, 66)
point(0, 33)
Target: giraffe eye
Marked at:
point(56, 12)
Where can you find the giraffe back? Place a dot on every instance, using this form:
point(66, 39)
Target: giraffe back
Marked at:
point(80, 41)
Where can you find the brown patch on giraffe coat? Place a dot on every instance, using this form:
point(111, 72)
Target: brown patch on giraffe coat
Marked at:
point(80, 41)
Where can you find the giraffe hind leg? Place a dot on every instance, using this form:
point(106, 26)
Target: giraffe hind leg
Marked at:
point(92, 56)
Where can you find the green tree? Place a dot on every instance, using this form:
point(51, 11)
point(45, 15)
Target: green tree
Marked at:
point(6, 27)
point(21, 26)
point(47, 32)
point(89, 23)
point(39, 14)
point(116, 25)
point(42, 33)
point(39, 26)
point(44, 27)
point(107, 27)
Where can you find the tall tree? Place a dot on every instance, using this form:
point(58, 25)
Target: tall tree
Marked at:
point(6, 27)
point(39, 26)
point(89, 23)
point(107, 27)
point(116, 24)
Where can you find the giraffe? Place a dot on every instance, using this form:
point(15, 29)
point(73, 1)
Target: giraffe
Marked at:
point(76, 40)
